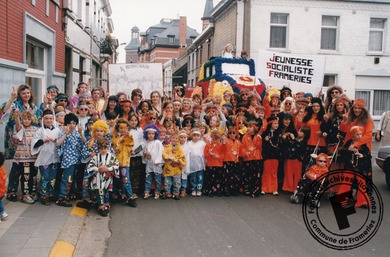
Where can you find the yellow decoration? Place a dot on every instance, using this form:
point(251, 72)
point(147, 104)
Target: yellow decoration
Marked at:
point(220, 87)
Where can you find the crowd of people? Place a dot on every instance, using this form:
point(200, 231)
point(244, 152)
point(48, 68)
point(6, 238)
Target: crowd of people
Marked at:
point(102, 148)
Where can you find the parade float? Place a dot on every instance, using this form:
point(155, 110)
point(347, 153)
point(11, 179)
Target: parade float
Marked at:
point(221, 74)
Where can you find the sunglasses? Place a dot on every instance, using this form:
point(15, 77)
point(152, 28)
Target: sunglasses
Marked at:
point(62, 100)
point(232, 132)
point(287, 103)
point(335, 92)
point(152, 118)
point(188, 121)
point(321, 161)
point(83, 109)
point(244, 94)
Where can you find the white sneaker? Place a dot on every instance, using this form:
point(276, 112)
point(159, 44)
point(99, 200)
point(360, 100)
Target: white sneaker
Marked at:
point(275, 193)
point(4, 216)
point(199, 193)
point(262, 192)
point(193, 193)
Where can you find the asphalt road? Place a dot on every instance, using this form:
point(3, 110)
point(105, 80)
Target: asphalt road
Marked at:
point(230, 226)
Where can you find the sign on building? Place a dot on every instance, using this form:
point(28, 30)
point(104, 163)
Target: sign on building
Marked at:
point(127, 77)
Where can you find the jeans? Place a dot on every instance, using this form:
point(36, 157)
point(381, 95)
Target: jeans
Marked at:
point(196, 180)
point(174, 181)
point(27, 174)
point(183, 187)
point(126, 184)
point(2, 209)
point(102, 196)
point(148, 182)
point(48, 178)
point(66, 181)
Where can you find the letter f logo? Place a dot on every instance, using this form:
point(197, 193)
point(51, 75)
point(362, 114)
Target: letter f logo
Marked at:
point(341, 212)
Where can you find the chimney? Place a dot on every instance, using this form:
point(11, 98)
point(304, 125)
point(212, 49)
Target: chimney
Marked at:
point(183, 31)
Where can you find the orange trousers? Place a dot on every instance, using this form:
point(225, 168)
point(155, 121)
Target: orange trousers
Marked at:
point(292, 174)
point(270, 176)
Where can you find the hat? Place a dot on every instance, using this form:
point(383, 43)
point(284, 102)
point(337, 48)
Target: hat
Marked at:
point(260, 107)
point(302, 100)
point(242, 106)
point(272, 118)
point(308, 95)
point(104, 142)
point(100, 124)
point(195, 131)
point(52, 87)
point(356, 129)
point(285, 88)
point(125, 102)
point(227, 106)
point(316, 100)
point(342, 99)
point(252, 123)
point(211, 107)
point(359, 102)
point(47, 112)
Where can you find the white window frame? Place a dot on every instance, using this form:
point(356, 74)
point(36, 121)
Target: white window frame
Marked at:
point(279, 25)
point(330, 27)
point(370, 104)
point(383, 31)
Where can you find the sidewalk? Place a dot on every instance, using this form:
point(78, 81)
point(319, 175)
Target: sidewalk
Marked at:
point(37, 230)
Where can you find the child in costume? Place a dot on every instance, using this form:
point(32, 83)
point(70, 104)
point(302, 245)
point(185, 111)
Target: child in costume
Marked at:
point(23, 167)
point(231, 162)
point(184, 173)
point(48, 160)
point(104, 166)
point(152, 158)
point(174, 164)
point(122, 142)
point(197, 162)
point(214, 154)
point(69, 145)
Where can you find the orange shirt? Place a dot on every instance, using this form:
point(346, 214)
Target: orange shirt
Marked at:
point(367, 133)
point(315, 126)
point(232, 150)
point(316, 171)
point(212, 149)
point(251, 147)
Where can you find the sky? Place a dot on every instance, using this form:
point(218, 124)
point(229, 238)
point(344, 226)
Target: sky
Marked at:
point(146, 13)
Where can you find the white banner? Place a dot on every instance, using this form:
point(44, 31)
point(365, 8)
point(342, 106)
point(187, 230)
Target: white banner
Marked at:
point(128, 76)
point(307, 70)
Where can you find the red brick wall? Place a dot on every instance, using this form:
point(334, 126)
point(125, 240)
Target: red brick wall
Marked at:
point(11, 29)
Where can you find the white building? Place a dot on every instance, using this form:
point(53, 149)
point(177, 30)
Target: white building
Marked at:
point(87, 24)
point(352, 35)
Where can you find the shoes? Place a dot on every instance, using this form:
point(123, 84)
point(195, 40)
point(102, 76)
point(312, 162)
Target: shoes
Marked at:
point(193, 193)
point(135, 196)
point(85, 204)
point(45, 200)
point(34, 197)
point(131, 202)
point(12, 197)
point(176, 197)
point(4, 216)
point(275, 193)
point(262, 192)
point(157, 196)
point(28, 199)
point(168, 195)
point(63, 202)
point(183, 194)
point(146, 196)
point(199, 193)
point(104, 211)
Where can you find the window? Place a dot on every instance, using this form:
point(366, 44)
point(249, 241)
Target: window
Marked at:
point(377, 101)
point(377, 35)
point(329, 31)
point(381, 102)
point(171, 39)
point(278, 33)
point(329, 80)
point(34, 55)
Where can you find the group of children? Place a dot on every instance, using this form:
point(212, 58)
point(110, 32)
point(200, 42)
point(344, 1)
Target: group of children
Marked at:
point(214, 149)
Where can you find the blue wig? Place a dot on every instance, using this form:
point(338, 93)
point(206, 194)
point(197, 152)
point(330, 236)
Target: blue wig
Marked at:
point(151, 127)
